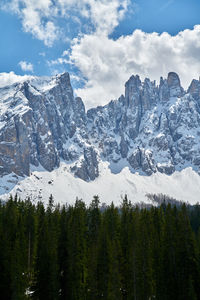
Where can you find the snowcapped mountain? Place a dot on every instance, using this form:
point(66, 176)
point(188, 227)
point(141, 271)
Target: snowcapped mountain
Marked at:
point(150, 130)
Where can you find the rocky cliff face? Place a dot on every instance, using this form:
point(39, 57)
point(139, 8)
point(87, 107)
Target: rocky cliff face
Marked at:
point(150, 129)
point(41, 123)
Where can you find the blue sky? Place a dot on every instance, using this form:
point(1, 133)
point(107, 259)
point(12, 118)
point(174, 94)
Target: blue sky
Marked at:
point(99, 42)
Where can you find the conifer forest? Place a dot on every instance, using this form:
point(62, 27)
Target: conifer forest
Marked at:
point(97, 252)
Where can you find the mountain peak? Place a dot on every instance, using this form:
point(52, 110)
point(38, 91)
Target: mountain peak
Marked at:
point(63, 78)
point(174, 85)
point(173, 79)
point(194, 89)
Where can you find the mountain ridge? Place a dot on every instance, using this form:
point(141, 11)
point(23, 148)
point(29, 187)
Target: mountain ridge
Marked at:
point(151, 128)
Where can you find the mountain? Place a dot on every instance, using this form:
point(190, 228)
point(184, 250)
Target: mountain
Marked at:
point(152, 129)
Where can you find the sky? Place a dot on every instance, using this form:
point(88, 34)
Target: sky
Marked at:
point(101, 43)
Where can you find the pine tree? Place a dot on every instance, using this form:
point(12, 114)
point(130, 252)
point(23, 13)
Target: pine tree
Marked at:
point(77, 262)
point(132, 254)
point(46, 268)
point(18, 261)
point(157, 248)
point(112, 220)
point(102, 261)
point(126, 244)
point(143, 262)
point(169, 255)
point(5, 254)
point(187, 262)
point(94, 224)
point(63, 254)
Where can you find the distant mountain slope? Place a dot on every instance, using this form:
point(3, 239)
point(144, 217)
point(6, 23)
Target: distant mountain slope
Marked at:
point(183, 185)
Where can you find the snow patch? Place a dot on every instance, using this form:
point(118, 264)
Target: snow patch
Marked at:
point(184, 185)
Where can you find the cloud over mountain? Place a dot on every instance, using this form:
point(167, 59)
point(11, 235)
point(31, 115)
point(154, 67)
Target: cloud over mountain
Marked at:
point(93, 54)
point(106, 63)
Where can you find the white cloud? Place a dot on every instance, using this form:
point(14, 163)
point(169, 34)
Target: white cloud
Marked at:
point(103, 14)
point(25, 66)
point(41, 18)
point(36, 17)
point(107, 63)
point(10, 78)
point(58, 61)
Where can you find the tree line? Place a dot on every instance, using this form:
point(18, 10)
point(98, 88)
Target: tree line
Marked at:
point(89, 253)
